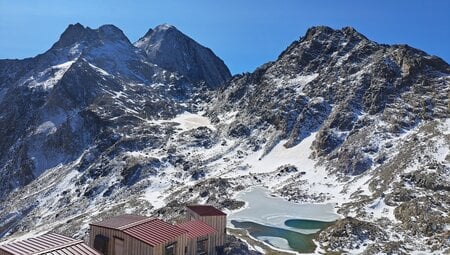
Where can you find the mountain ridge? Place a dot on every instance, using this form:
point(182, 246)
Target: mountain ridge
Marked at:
point(366, 126)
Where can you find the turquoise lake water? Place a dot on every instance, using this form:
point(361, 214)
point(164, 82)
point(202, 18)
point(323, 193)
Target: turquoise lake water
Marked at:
point(299, 242)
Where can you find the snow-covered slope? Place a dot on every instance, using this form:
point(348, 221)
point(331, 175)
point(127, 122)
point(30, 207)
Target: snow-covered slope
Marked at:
point(101, 128)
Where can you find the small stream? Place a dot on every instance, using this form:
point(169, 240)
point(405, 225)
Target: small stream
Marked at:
point(282, 224)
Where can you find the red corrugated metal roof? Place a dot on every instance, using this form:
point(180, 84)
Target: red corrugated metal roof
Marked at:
point(50, 243)
point(155, 232)
point(77, 249)
point(206, 210)
point(197, 228)
point(122, 221)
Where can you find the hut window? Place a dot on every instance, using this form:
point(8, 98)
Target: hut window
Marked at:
point(202, 246)
point(170, 249)
point(101, 244)
point(118, 246)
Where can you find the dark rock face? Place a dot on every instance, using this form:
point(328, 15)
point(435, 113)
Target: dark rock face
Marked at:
point(170, 49)
point(350, 233)
point(419, 217)
point(199, 137)
point(235, 246)
point(434, 181)
point(239, 130)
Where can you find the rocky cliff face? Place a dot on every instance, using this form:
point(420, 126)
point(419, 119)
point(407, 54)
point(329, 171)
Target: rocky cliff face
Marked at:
point(56, 104)
point(167, 47)
point(346, 88)
point(98, 126)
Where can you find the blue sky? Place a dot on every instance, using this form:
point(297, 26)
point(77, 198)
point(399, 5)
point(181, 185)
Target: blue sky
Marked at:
point(245, 34)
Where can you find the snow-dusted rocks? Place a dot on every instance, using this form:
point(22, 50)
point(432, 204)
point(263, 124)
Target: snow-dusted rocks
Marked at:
point(169, 48)
point(78, 95)
point(98, 126)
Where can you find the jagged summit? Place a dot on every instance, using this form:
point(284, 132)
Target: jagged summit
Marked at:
point(163, 45)
point(165, 26)
point(159, 28)
point(169, 48)
point(77, 33)
point(111, 32)
point(324, 32)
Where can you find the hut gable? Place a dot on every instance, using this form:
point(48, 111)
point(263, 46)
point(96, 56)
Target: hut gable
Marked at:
point(206, 210)
point(214, 218)
point(50, 243)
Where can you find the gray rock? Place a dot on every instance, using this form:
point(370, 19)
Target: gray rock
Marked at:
point(170, 49)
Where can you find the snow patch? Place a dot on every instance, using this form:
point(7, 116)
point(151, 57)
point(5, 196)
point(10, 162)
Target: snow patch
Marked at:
point(49, 77)
point(187, 121)
point(379, 209)
point(99, 70)
point(280, 155)
point(299, 82)
point(47, 127)
point(276, 242)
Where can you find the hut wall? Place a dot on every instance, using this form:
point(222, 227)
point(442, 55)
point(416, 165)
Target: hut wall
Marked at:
point(218, 222)
point(181, 243)
point(2, 252)
point(192, 244)
point(133, 246)
point(109, 233)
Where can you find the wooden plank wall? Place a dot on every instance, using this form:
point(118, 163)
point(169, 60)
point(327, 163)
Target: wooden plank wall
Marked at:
point(192, 244)
point(2, 252)
point(110, 233)
point(218, 222)
point(181, 244)
point(134, 246)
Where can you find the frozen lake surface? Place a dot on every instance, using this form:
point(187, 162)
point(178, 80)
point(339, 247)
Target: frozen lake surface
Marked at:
point(281, 223)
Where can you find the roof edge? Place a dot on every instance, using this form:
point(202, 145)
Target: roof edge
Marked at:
point(59, 247)
point(137, 223)
point(209, 210)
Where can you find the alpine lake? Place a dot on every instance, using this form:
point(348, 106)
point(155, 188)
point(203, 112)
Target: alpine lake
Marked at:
point(281, 224)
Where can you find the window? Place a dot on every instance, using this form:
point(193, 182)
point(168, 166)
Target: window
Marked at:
point(170, 249)
point(101, 244)
point(202, 246)
point(118, 246)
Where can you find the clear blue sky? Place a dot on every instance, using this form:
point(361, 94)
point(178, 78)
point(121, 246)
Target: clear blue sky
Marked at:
point(245, 34)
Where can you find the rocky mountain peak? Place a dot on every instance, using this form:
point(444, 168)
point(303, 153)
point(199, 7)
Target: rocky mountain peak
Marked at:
point(111, 32)
point(325, 32)
point(318, 30)
point(73, 34)
point(169, 48)
point(162, 33)
point(166, 27)
point(79, 34)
